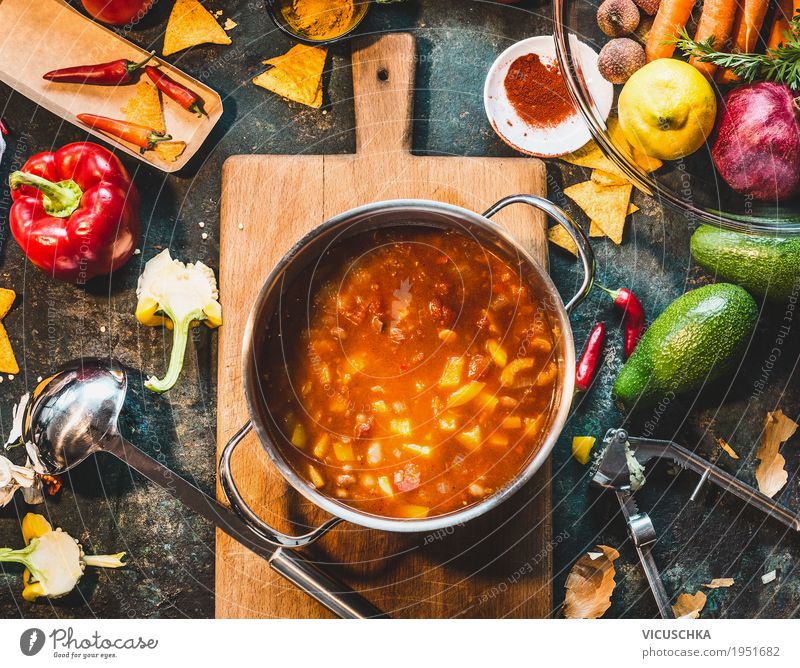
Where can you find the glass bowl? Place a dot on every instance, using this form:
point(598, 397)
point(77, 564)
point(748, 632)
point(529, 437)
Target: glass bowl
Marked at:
point(691, 185)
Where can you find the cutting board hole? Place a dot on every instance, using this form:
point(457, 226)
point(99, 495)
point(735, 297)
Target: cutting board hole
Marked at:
point(383, 74)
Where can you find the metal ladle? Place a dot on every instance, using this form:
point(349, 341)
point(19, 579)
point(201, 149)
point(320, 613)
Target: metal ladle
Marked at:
point(75, 414)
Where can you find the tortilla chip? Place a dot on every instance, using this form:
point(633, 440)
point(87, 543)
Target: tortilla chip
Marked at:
point(191, 24)
point(560, 237)
point(296, 75)
point(592, 157)
point(644, 161)
point(601, 178)
point(596, 231)
point(771, 473)
point(170, 151)
point(8, 362)
point(144, 108)
point(7, 298)
point(607, 206)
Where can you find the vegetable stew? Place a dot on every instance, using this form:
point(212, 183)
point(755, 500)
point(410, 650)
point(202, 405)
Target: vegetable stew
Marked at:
point(413, 374)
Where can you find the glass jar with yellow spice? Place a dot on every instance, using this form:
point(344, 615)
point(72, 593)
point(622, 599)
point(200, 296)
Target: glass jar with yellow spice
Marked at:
point(318, 21)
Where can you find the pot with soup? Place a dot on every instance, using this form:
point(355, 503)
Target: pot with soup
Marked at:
point(408, 366)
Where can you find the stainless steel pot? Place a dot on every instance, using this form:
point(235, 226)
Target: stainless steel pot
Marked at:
point(305, 255)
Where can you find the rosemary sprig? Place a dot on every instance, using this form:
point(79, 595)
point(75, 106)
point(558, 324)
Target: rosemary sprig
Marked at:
point(781, 64)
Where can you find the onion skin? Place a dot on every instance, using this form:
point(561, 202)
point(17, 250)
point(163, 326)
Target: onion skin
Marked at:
point(757, 144)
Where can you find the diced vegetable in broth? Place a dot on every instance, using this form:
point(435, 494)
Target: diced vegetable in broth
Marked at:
point(465, 394)
point(453, 369)
point(418, 379)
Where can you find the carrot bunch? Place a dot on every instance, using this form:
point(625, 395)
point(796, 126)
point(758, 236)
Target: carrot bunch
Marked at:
point(734, 27)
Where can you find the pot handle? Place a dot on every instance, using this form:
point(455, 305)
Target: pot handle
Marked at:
point(290, 564)
point(240, 507)
point(573, 229)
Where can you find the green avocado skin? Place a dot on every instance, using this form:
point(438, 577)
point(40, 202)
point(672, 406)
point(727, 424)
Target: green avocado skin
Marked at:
point(767, 266)
point(694, 341)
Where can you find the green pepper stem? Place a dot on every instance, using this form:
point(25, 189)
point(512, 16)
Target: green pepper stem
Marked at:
point(154, 139)
point(60, 199)
point(132, 67)
point(17, 556)
point(180, 335)
point(197, 108)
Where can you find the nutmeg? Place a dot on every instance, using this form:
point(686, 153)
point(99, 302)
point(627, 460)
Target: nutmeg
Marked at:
point(617, 18)
point(649, 7)
point(619, 59)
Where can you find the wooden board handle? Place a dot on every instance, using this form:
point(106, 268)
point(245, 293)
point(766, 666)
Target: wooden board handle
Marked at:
point(383, 87)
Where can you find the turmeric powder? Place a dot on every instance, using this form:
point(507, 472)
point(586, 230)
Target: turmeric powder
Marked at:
point(321, 19)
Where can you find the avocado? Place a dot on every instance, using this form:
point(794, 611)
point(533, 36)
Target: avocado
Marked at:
point(694, 341)
point(767, 266)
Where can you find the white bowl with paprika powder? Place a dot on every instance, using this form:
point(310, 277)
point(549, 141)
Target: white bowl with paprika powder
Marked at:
point(527, 101)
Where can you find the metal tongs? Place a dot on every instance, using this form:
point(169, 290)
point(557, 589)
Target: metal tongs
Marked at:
point(613, 473)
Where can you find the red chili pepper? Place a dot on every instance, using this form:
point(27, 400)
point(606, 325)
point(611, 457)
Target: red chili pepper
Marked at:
point(633, 314)
point(188, 99)
point(3, 128)
point(114, 73)
point(139, 135)
point(590, 359)
point(75, 212)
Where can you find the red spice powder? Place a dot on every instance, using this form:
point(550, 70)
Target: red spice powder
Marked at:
point(537, 91)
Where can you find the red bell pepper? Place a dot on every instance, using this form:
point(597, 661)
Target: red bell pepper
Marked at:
point(115, 73)
point(3, 128)
point(188, 99)
point(118, 12)
point(75, 212)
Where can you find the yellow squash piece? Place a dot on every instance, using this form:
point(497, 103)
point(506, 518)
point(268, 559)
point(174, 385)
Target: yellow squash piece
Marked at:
point(582, 448)
point(191, 24)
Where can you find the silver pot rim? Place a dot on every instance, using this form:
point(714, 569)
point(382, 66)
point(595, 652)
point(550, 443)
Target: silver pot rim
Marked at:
point(567, 363)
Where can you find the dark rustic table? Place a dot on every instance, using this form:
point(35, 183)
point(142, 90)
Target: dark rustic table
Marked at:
point(171, 571)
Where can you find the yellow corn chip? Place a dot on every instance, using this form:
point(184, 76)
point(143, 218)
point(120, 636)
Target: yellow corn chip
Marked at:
point(592, 157)
point(644, 161)
point(8, 363)
point(560, 237)
point(170, 151)
point(296, 75)
point(607, 206)
point(596, 231)
point(7, 298)
point(191, 24)
point(601, 178)
point(144, 108)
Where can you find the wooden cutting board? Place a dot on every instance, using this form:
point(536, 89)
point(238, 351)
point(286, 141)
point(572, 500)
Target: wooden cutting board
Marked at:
point(496, 566)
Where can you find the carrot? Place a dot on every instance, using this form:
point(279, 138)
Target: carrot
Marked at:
point(672, 15)
point(746, 29)
point(784, 12)
point(716, 20)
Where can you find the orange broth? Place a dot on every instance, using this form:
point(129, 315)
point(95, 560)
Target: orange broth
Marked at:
point(417, 379)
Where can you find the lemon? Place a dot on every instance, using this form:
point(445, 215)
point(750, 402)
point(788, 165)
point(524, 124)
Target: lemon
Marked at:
point(667, 108)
